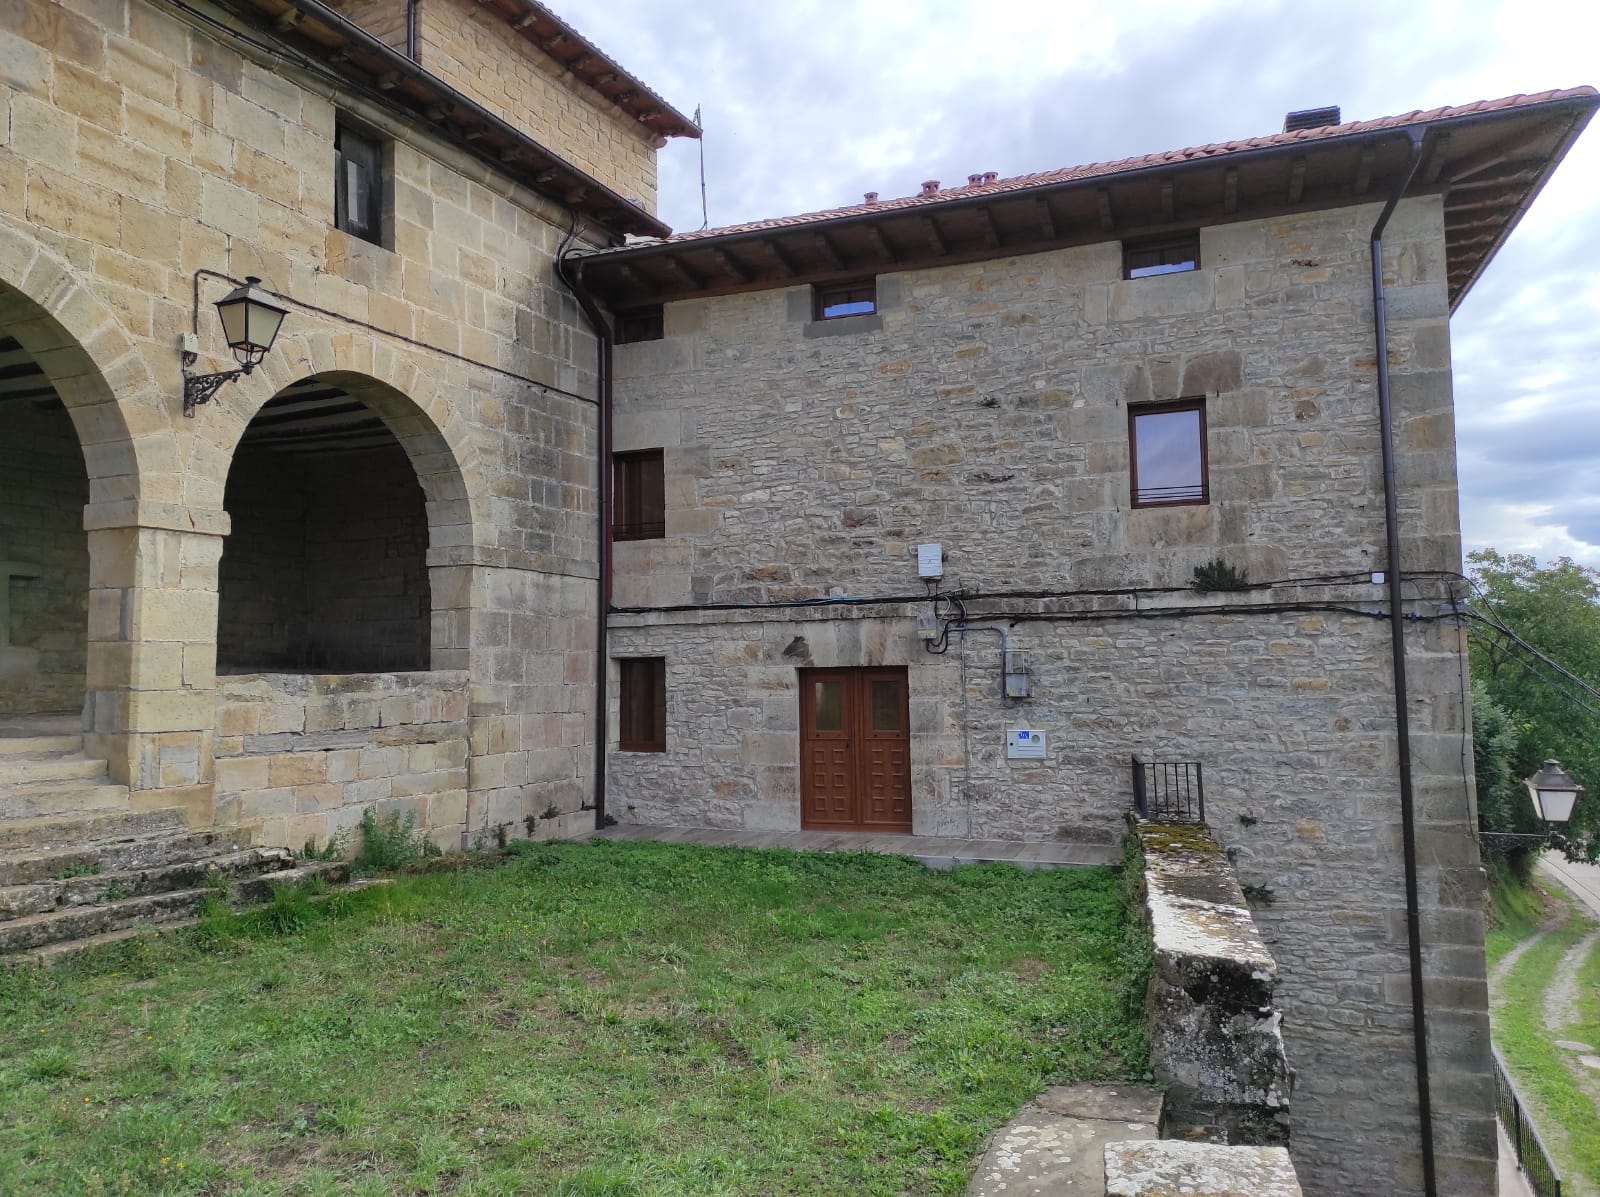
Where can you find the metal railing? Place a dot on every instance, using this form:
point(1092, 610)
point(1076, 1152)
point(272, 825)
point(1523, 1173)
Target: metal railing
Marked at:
point(1169, 791)
point(1532, 1157)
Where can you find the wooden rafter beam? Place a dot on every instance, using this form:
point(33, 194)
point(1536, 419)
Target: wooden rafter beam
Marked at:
point(936, 241)
point(1476, 164)
point(991, 235)
point(880, 243)
point(1107, 220)
point(1297, 180)
point(1433, 159)
point(682, 271)
point(732, 265)
point(1047, 219)
point(1230, 190)
point(1363, 180)
point(1169, 206)
point(783, 261)
point(826, 249)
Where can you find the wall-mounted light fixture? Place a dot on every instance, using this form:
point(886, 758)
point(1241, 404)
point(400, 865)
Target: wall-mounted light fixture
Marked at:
point(250, 321)
point(1554, 794)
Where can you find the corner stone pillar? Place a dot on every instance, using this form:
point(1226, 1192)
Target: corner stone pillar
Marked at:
point(152, 671)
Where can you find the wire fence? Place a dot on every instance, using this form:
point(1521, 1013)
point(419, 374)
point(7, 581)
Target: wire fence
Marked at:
point(1532, 1158)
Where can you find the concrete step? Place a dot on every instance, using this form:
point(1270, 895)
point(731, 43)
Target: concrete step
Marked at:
point(23, 747)
point(28, 866)
point(79, 922)
point(63, 831)
point(68, 766)
point(60, 798)
point(19, 901)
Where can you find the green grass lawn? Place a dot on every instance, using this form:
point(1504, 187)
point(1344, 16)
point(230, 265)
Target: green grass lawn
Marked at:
point(1564, 1114)
point(585, 1019)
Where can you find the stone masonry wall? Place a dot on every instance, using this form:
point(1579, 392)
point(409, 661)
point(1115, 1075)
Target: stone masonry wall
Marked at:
point(137, 150)
point(985, 408)
point(475, 51)
point(42, 492)
point(301, 756)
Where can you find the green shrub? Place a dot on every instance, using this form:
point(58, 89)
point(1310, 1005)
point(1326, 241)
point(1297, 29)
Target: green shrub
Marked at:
point(390, 842)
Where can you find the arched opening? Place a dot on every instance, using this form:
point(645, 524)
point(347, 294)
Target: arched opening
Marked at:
point(325, 570)
point(44, 552)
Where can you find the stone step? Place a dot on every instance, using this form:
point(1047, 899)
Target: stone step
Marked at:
point(19, 901)
point(259, 887)
point(79, 922)
point(28, 866)
point(60, 798)
point(29, 770)
point(22, 747)
point(61, 831)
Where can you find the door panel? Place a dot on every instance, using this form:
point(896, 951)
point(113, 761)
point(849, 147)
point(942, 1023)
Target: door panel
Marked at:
point(855, 761)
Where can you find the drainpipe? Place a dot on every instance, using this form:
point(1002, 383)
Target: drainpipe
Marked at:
point(571, 272)
point(1391, 518)
point(411, 30)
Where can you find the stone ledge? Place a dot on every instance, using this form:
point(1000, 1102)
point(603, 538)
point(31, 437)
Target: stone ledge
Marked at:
point(1216, 1040)
point(1169, 1169)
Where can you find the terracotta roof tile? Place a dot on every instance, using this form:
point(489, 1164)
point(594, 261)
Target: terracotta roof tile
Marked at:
point(1096, 169)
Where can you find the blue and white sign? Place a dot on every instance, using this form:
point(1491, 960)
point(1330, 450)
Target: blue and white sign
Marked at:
point(1023, 744)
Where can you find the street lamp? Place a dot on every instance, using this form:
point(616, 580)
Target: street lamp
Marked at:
point(250, 319)
point(1554, 794)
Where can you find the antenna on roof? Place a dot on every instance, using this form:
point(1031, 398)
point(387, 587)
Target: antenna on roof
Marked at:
point(705, 219)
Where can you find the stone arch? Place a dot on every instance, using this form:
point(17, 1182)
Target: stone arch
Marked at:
point(435, 466)
point(94, 365)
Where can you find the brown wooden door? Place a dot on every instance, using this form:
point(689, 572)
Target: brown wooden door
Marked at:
point(855, 750)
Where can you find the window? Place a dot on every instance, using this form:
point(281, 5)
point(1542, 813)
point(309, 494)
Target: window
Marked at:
point(857, 297)
point(644, 705)
point(641, 324)
point(1167, 447)
point(358, 185)
point(1170, 255)
point(639, 496)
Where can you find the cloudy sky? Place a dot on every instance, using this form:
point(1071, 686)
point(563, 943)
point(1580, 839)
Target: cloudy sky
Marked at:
point(810, 103)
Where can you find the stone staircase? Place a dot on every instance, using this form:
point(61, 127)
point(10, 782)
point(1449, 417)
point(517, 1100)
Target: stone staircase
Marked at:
point(80, 866)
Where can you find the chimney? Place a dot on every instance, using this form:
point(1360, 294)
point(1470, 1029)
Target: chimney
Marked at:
point(931, 187)
point(1311, 118)
point(870, 197)
point(990, 176)
point(974, 180)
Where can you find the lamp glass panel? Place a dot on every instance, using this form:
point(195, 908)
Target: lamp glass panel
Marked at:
point(261, 325)
point(233, 321)
point(1556, 805)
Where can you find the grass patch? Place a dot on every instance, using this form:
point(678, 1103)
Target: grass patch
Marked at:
point(1516, 908)
point(587, 1019)
point(1537, 1065)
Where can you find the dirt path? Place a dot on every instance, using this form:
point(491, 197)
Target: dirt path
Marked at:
point(1562, 995)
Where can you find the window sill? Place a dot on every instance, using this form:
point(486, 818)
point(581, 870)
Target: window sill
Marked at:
point(844, 326)
point(661, 748)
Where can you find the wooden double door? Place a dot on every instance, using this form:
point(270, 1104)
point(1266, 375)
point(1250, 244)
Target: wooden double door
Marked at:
point(855, 750)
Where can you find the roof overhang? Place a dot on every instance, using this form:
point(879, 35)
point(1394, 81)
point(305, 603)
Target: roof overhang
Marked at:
point(332, 45)
point(1488, 162)
point(592, 66)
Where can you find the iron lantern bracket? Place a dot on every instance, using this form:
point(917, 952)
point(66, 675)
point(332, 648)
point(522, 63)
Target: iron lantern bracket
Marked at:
point(199, 388)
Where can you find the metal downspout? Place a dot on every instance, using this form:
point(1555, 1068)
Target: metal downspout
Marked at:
point(411, 29)
point(573, 277)
point(1391, 517)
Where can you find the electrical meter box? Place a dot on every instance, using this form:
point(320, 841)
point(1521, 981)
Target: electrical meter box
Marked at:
point(930, 561)
point(1024, 745)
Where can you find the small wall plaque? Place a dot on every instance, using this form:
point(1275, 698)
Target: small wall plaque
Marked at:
point(1024, 745)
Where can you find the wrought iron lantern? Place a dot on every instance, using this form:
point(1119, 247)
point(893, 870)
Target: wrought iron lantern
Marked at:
point(251, 317)
point(1554, 794)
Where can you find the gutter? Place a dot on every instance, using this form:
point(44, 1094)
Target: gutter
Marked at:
point(1391, 521)
point(572, 276)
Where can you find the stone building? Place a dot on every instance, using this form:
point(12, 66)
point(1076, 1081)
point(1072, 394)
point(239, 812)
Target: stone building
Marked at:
point(881, 519)
point(950, 514)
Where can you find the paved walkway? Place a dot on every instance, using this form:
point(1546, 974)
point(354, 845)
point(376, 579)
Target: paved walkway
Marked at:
point(1582, 879)
point(1055, 1146)
point(936, 852)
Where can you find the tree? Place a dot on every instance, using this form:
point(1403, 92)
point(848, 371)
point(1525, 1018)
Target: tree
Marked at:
point(1536, 654)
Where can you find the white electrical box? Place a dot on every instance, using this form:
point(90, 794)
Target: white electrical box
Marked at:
point(1024, 745)
point(930, 561)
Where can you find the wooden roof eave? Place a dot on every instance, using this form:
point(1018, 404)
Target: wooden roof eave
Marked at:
point(1376, 158)
point(399, 84)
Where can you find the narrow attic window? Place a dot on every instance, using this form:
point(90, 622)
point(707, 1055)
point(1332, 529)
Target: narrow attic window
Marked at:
point(854, 297)
point(358, 184)
point(1170, 255)
point(640, 324)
